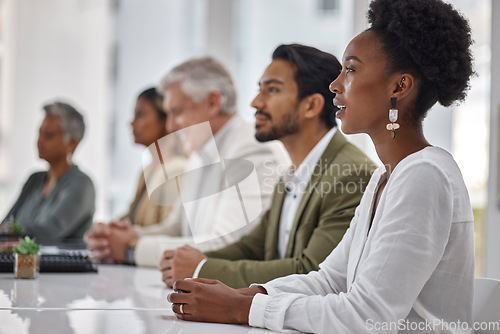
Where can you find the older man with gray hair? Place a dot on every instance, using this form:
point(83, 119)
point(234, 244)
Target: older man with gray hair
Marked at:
point(228, 180)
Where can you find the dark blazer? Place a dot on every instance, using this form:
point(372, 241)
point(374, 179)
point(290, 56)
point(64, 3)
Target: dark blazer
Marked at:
point(323, 216)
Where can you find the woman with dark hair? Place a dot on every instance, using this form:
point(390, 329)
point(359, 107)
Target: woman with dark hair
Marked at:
point(149, 126)
point(406, 264)
point(115, 242)
point(57, 205)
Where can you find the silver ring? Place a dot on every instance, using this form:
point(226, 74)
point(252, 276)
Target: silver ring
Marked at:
point(180, 309)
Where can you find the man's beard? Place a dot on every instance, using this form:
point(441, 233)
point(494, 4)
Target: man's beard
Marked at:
point(288, 125)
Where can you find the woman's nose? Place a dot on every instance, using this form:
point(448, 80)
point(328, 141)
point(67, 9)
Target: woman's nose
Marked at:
point(334, 86)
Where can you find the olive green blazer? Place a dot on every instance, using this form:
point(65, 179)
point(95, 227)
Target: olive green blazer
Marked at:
point(323, 216)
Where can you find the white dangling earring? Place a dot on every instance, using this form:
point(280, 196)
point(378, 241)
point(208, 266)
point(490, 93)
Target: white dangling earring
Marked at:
point(393, 117)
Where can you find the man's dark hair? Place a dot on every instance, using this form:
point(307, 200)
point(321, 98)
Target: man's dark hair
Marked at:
point(314, 70)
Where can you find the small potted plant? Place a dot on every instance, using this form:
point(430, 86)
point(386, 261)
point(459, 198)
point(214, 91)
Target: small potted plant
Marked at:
point(27, 258)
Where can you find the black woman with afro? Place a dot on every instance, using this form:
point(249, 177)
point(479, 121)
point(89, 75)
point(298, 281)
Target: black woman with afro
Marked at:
point(406, 263)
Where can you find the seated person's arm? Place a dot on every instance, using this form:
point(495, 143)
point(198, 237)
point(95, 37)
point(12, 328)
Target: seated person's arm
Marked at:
point(219, 303)
point(332, 221)
point(109, 242)
point(182, 262)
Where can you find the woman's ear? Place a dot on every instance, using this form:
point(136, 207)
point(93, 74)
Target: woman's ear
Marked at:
point(403, 85)
point(73, 143)
point(314, 105)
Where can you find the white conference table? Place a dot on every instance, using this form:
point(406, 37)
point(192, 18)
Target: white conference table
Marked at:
point(117, 299)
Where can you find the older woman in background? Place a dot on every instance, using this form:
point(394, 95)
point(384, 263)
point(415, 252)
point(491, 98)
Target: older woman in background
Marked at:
point(57, 205)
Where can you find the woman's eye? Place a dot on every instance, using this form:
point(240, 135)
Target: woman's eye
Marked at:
point(348, 70)
point(272, 89)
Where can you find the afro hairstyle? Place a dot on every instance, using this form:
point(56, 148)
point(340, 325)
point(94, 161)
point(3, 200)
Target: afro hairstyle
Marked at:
point(430, 40)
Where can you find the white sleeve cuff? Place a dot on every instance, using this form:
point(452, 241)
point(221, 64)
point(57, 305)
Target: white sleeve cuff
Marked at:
point(198, 268)
point(257, 310)
point(269, 289)
point(146, 252)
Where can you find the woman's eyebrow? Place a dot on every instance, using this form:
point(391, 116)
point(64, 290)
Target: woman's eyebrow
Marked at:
point(352, 58)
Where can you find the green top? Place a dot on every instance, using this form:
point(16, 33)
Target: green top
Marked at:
point(65, 214)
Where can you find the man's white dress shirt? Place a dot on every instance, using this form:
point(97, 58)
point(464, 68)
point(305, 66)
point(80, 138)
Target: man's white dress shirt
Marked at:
point(296, 182)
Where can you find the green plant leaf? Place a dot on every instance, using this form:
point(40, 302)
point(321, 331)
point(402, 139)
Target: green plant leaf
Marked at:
point(27, 246)
point(17, 228)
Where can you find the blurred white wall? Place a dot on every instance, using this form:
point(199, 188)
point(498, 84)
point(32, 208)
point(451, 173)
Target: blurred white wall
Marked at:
point(492, 268)
point(150, 37)
point(53, 49)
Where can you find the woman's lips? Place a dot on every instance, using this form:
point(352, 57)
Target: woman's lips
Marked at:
point(340, 112)
point(341, 108)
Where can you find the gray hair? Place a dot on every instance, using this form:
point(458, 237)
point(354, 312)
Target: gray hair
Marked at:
point(200, 76)
point(72, 122)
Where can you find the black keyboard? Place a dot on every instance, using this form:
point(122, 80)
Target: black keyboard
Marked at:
point(61, 263)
